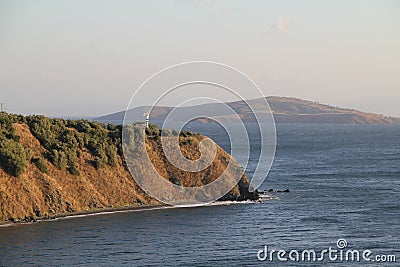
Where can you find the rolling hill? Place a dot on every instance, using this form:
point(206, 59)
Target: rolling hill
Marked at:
point(284, 110)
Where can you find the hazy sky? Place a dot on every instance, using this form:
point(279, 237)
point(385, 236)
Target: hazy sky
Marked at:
point(88, 57)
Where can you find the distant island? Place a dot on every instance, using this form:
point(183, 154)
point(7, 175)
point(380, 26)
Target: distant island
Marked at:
point(284, 110)
point(51, 167)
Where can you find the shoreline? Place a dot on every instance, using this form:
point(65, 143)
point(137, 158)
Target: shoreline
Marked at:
point(86, 213)
point(83, 213)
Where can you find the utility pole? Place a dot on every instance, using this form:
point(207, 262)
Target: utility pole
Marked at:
point(1, 104)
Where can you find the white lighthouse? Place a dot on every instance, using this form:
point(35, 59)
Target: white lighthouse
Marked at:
point(147, 115)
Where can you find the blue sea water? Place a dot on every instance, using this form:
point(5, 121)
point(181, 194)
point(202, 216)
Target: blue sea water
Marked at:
point(344, 183)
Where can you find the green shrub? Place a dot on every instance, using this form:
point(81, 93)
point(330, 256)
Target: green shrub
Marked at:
point(12, 154)
point(71, 157)
point(17, 118)
point(186, 133)
point(98, 163)
point(153, 130)
point(6, 126)
point(111, 127)
point(41, 165)
point(111, 152)
point(28, 154)
point(65, 137)
point(12, 157)
point(73, 170)
point(59, 159)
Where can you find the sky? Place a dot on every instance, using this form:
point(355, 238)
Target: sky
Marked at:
point(87, 58)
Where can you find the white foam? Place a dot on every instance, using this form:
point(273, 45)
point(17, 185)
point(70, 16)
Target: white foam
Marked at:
point(265, 196)
point(216, 203)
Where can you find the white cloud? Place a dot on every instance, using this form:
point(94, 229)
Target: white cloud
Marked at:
point(281, 24)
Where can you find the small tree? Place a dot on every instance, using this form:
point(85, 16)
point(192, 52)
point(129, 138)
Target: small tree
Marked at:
point(41, 165)
point(12, 157)
point(98, 163)
point(74, 170)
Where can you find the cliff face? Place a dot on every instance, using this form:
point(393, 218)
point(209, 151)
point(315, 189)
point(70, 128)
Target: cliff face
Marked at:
point(48, 186)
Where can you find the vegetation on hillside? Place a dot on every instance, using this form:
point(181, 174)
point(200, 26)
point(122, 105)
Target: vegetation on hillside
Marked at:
point(63, 140)
point(12, 154)
point(71, 166)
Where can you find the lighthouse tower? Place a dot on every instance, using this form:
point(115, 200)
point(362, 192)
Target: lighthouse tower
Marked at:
point(147, 115)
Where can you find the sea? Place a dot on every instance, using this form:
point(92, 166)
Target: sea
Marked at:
point(344, 195)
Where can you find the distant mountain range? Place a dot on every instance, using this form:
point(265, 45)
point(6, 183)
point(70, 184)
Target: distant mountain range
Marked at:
point(284, 110)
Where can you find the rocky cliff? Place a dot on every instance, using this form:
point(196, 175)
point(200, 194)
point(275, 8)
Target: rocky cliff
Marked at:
point(54, 167)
